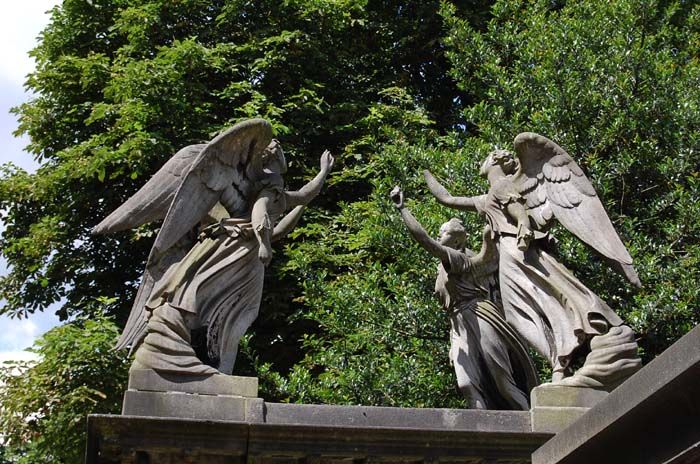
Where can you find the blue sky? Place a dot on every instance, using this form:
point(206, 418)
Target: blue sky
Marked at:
point(20, 24)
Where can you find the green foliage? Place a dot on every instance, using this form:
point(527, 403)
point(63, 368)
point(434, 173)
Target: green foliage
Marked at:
point(45, 403)
point(392, 88)
point(616, 83)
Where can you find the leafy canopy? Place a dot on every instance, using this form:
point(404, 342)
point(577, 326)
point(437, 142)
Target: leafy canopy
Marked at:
point(392, 88)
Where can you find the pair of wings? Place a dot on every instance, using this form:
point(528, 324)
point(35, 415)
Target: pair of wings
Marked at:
point(182, 193)
point(553, 185)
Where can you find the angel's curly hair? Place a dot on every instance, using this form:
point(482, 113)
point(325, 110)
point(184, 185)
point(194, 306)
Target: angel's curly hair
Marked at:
point(455, 225)
point(505, 159)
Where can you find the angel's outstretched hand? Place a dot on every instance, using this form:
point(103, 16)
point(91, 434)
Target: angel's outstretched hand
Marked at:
point(327, 161)
point(396, 196)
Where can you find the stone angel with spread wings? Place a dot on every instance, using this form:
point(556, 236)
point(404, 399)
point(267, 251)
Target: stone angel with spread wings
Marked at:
point(553, 311)
point(220, 203)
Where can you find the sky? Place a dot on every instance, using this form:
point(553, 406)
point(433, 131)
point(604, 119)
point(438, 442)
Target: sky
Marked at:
point(20, 24)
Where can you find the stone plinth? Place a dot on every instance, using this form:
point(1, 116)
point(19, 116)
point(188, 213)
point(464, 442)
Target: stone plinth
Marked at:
point(555, 407)
point(216, 397)
point(653, 417)
point(230, 385)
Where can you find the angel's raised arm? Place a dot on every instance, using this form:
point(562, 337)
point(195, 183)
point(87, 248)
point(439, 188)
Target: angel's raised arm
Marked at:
point(307, 193)
point(416, 230)
point(444, 197)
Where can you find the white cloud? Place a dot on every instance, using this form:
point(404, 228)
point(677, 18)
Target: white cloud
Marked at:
point(20, 24)
point(17, 356)
point(17, 334)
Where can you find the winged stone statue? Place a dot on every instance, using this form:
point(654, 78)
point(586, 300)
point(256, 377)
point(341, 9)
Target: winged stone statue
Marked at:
point(491, 363)
point(549, 307)
point(220, 203)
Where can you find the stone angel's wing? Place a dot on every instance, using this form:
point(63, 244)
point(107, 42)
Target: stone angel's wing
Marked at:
point(554, 185)
point(225, 161)
point(152, 201)
point(189, 188)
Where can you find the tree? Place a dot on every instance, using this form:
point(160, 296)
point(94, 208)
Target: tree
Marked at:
point(619, 90)
point(44, 403)
point(615, 83)
point(392, 87)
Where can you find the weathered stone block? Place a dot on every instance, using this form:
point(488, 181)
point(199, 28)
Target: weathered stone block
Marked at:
point(555, 407)
point(554, 419)
point(220, 384)
point(189, 406)
point(564, 396)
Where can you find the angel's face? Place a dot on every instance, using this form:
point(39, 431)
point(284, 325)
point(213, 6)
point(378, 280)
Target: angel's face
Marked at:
point(486, 165)
point(275, 160)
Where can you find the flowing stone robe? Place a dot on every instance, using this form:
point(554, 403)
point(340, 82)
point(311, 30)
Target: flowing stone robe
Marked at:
point(492, 366)
point(551, 309)
point(217, 285)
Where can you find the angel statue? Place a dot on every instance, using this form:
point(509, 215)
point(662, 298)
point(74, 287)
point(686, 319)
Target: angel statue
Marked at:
point(491, 363)
point(219, 203)
point(549, 307)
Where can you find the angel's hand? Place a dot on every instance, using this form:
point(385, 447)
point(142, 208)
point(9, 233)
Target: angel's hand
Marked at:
point(327, 161)
point(525, 236)
point(396, 196)
point(265, 254)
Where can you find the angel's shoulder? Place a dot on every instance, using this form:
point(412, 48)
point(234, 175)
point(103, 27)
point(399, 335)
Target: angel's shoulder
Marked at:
point(504, 191)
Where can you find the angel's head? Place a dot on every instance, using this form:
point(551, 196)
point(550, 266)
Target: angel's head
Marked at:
point(273, 160)
point(453, 234)
point(499, 158)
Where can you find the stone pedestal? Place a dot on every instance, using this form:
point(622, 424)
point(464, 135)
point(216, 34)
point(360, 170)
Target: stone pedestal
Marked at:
point(214, 397)
point(555, 407)
point(652, 418)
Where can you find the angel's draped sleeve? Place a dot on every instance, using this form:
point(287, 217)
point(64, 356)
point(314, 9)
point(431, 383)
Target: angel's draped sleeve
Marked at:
point(493, 206)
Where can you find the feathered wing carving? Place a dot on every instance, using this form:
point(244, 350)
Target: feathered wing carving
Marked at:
point(553, 185)
point(152, 201)
point(222, 162)
point(183, 191)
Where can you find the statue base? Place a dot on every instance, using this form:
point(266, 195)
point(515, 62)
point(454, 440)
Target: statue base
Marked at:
point(213, 397)
point(554, 407)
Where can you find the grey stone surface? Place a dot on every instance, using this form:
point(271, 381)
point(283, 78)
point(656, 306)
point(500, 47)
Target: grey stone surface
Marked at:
point(217, 384)
point(554, 419)
point(555, 407)
point(564, 396)
point(416, 418)
point(654, 417)
point(186, 405)
point(127, 439)
point(529, 191)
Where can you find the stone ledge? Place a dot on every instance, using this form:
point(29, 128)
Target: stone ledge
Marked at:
point(418, 418)
point(191, 406)
point(127, 439)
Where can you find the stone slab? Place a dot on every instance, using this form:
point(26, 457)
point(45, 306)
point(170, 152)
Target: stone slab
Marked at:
point(230, 385)
point(418, 418)
point(190, 406)
point(653, 417)
point(550, 395)
point(554, 419)
point(129, 439)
